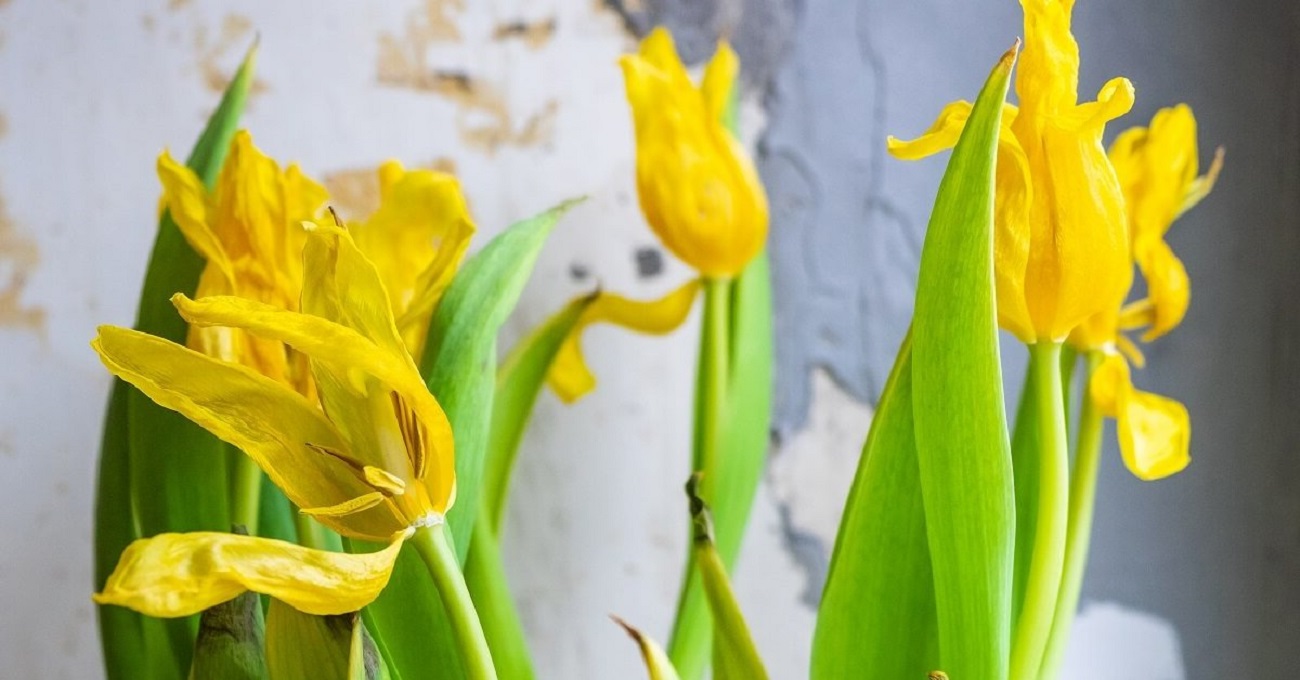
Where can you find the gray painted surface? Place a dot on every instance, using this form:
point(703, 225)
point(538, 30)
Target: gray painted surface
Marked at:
point(1215, 550)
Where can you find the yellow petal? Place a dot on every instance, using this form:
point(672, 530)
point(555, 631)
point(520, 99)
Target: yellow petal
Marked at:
point(274, 425)
point(1047, 77)
point(570, 376)
point(719, 78)
point(1154, 435)
point(1201, 186)
point(1108, 383)
point(346, 354)
point(187, 199)
point(173, 575)
point(1154, 431)
point(1168, 289)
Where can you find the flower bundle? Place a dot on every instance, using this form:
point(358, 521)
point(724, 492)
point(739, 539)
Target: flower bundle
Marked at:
point(307, 458)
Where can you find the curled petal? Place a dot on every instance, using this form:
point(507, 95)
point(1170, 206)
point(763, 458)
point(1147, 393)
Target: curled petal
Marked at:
point(172, 575)
point(570, 376)
point(1168, 290)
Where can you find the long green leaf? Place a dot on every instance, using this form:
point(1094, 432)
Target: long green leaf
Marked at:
point(408, 621)
point(144, 474)
point(963, 453)
point(735, 657)
point(519, 381)
point(877, 613)
point(459, 360)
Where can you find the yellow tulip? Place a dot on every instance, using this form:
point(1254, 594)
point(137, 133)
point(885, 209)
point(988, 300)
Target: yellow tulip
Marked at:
point(417, 240)
point(570, 377)
point(248, 230)
point(1061, 246)
point(371, 459)
point(698, 188)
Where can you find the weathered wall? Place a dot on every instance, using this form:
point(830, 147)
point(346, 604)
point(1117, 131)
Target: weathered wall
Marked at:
point(1192, 577)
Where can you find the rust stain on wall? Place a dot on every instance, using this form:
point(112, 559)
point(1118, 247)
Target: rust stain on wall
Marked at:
point(235, 35)
point(534, 34)
point(484, 121)
point(18, 259)
point(402, 57)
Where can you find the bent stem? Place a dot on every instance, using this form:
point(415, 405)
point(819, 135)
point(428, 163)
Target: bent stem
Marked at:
point(1048, 555)
point(434, 546)
point(689, 646)
point(1083, 494)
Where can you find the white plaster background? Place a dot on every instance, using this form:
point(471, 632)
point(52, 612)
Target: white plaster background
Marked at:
point(89, 94)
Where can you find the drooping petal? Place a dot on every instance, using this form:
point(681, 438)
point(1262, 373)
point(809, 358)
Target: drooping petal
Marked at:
point(1168, 289)
point(172, 575)
point(570, 376)
point(1154, 435)
point(272, 424)
point(1154, 431)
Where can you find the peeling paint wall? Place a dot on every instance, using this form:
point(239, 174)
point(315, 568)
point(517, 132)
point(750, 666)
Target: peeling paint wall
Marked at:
point(1194, 577)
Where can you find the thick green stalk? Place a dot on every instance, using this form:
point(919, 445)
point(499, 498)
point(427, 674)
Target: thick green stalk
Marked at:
point(689, 647)
point(1083, 495)
point(486, 578)
point(247, 487)
point(1044, 580)
point(435, 548)
point(313, 534)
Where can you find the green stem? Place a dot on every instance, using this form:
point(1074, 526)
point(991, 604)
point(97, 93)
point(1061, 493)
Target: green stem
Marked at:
point(485, 576)
point(434, 545)
point(247, 499)
point(1044, 581)
point(313, 534)
point(1083, 495)
point(690, 644)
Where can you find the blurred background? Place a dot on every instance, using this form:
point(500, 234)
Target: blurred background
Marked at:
point(1195, 577)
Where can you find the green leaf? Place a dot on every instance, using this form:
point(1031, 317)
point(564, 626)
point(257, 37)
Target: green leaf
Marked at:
point(364, 661)
point(306, 647)
point(963, 454)
point(485, 575)
point(146, 486)
point(276, 514)
point(656, 661)
point(519, 381)
point(877, 613)
point(459, 360)
point(735, 657)
point(229, 644)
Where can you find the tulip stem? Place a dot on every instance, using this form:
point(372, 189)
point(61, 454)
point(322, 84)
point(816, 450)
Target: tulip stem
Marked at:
point(247, 500)
point(690, 645)
point(1083, 494)
point(435, 548)
point(1048, 555)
